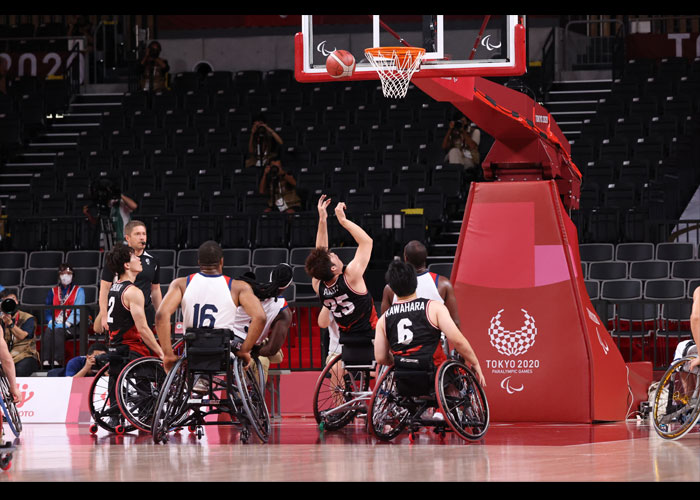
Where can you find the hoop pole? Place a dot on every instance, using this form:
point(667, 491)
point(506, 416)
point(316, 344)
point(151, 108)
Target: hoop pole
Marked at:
point(478, 38)
point(393, 33)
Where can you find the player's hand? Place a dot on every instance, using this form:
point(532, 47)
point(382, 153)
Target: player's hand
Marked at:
point(694, 363)
point(169, 361)
point(340, 212)
point(480, 375)
point(322, 206)
point(247, 360)
point(105, 324)
point(15, 394)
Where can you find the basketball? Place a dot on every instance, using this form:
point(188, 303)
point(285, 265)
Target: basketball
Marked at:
point(340, 64)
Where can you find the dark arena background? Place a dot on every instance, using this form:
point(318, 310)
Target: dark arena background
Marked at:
point(570, 238)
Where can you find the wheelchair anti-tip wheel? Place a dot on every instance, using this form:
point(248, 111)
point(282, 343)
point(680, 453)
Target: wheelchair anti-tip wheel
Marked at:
point(9, 408)
point(105, 413)
point(138, 386)
point(386, 417)
point(462, 400)
point(676, 404)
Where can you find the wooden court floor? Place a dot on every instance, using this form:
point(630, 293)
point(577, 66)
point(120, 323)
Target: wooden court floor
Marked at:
point(627, 451)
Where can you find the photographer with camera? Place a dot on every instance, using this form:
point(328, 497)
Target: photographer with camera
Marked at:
point(60, 323)
point(461, 143)
point(84, 366)
point(18, 332)
point(109, 212)
point(264, 143)
point(280, 187)
point(154, 69)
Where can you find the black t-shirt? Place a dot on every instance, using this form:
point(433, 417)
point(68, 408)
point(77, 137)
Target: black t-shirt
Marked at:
point(149, 276)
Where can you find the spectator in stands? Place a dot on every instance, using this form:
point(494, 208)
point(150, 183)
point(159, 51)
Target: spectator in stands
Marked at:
point(60, 323)
point(81, 26)
point(83, 366)
point(280, 187)
point(18, 332)
point(154, 69)
point(461, 144)
point(264, 143)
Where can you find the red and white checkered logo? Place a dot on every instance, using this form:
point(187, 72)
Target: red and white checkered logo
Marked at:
point(512, 343)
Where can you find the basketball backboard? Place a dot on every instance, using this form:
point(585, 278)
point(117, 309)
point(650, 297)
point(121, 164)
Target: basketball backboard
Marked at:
point(456, 45)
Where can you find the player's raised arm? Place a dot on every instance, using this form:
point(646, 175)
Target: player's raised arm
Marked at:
point(355, 270)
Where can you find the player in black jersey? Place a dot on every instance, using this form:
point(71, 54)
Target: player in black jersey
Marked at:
point(125, 315)
point(342, 289)
point(148, 279)
point(408, 333)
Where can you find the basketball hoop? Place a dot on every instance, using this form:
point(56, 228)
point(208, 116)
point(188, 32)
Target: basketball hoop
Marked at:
point(395, 67)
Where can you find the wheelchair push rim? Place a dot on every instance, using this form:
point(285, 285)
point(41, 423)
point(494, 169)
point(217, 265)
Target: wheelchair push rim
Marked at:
point(676, 406)
point(137, 390)
point(252, 400)
point(101, 410)
point(171, 406)
point(384, 406)
point(462, 400)
point(332, 393)
point(9, 408)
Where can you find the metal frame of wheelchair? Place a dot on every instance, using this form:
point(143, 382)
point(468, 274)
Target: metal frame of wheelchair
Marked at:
point(342, 392)
point(11, 416)
point(676, 407)
point(233, 390)
point(455, 393)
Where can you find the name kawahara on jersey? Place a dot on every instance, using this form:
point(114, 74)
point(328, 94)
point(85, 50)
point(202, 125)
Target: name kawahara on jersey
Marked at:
point(403, 307)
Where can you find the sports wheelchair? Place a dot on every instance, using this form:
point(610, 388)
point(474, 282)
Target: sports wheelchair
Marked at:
point(9, 408)
point(676, 406)
point(123, 393)
point(11, 415)
point(401, 397)
point(343, 389)
point(230, 389)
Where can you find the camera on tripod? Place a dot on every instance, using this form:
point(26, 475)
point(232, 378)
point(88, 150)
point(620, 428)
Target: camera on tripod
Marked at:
point(105, 193)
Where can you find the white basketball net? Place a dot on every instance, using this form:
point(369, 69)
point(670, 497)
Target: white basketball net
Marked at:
point(395, 68)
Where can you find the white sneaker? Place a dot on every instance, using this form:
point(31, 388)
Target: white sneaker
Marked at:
point(201, 386)
point(438, 416)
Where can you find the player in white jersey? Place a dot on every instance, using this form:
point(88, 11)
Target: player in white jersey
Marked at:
point(430, 285)
point(209, 300)
point(276, 308)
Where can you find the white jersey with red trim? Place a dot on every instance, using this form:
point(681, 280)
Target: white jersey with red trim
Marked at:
point(272, 308)
point(427, 287)
point(207, 302)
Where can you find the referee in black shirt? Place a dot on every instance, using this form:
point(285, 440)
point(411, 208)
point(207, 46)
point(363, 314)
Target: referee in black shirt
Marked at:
point(147, 280)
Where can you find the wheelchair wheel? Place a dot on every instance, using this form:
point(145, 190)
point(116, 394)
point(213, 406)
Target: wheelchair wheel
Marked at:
point(171, 406)
point(9, 408)
point(386, 417)
point(676, 404)
point(106, 415)
point(332, 390)
point(462, 400)
point(137, 390)
point(252, 400)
